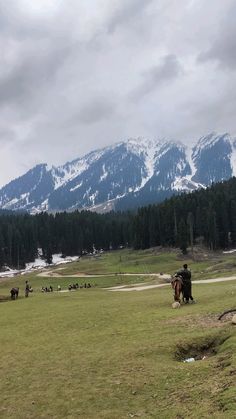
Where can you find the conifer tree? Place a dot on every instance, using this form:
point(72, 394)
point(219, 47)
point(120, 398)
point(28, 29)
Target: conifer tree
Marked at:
point(183, 236)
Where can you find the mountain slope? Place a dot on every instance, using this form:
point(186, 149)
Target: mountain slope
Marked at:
point(127, 174)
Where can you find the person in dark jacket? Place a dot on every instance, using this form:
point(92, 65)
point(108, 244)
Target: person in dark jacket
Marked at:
point(27, 289)
point(185, 273)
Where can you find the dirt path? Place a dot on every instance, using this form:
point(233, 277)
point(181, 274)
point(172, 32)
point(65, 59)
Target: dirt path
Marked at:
point(143, 287)
point(54, 274)
point(135, 287)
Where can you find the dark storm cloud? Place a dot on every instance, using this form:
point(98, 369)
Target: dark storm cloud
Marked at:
point(223, 48)
point(38, 68)
point(95, 111)
point(169, 69)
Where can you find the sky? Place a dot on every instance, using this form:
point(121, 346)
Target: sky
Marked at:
point(77, 75)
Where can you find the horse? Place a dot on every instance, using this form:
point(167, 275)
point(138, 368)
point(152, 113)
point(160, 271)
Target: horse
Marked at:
point(177, 286)
point(14, 293)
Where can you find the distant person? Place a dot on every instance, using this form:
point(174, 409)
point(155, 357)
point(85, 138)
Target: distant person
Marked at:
point(58, 288)
point(27, 289)
point(185, 273)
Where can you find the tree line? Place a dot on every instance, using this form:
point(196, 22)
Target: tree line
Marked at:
point(206, 216)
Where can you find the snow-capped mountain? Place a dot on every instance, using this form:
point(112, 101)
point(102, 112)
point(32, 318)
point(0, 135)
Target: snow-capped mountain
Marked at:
point(127, 174)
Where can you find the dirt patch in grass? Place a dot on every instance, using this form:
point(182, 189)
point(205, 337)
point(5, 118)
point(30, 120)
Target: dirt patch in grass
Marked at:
point(200, 348)
point(196, 321)
point(4, 298)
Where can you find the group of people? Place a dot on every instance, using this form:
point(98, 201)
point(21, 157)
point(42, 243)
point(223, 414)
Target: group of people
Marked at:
point(70, 287)
point(185, 275)
point(77, 286)
point(47, 289)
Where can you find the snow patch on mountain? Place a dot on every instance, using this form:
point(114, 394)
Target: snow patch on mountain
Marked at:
point(76, 186)
point(233, 157)
point(92, 197)
point(189, 157)
point(185, 185)
point(148, 150)
point(104, 174)
point(20, 202)
point(134, 170)
point(71, 170)
point(207, 142)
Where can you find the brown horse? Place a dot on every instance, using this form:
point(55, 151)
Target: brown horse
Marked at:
point(14, 293)
point(177, 285)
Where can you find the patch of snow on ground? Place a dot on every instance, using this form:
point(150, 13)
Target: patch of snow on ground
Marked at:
point(39, 264)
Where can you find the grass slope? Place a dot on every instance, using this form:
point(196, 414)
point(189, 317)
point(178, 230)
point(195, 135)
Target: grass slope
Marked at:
point(98, 354)
point(206, 264)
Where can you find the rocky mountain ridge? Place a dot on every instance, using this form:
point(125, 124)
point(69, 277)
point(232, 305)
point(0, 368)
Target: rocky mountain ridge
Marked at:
point(125, 175)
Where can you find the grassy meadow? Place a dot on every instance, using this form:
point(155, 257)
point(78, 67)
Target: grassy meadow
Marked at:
point(93, 353)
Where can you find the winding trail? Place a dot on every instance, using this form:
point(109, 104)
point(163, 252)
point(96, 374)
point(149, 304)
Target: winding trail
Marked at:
point(135, 287)
point(148, 287)
point(54, 274)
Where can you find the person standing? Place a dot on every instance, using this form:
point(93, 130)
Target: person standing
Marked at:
point(27, 289)
point(186, 275)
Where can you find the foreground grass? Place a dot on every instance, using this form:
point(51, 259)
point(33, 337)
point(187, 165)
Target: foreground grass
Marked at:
point(100, 354)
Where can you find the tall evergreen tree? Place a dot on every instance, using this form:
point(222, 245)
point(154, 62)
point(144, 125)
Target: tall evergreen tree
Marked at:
point(183, 236)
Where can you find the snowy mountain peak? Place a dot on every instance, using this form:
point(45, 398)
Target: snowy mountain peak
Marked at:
point(130, 173)
point(209, 141)
point(142, 146)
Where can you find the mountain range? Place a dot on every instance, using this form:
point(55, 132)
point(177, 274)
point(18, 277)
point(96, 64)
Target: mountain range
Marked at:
point(125, 175)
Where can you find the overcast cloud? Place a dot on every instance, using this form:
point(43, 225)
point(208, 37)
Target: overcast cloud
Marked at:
point(77, 75)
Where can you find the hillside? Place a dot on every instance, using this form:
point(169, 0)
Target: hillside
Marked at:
point(117, 354)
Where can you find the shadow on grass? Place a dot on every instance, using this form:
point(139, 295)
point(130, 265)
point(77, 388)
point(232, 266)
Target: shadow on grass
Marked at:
point(6, 298)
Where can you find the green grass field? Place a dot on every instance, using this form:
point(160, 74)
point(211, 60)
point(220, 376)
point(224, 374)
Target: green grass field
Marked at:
point(93, 353)
point(205, 265)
